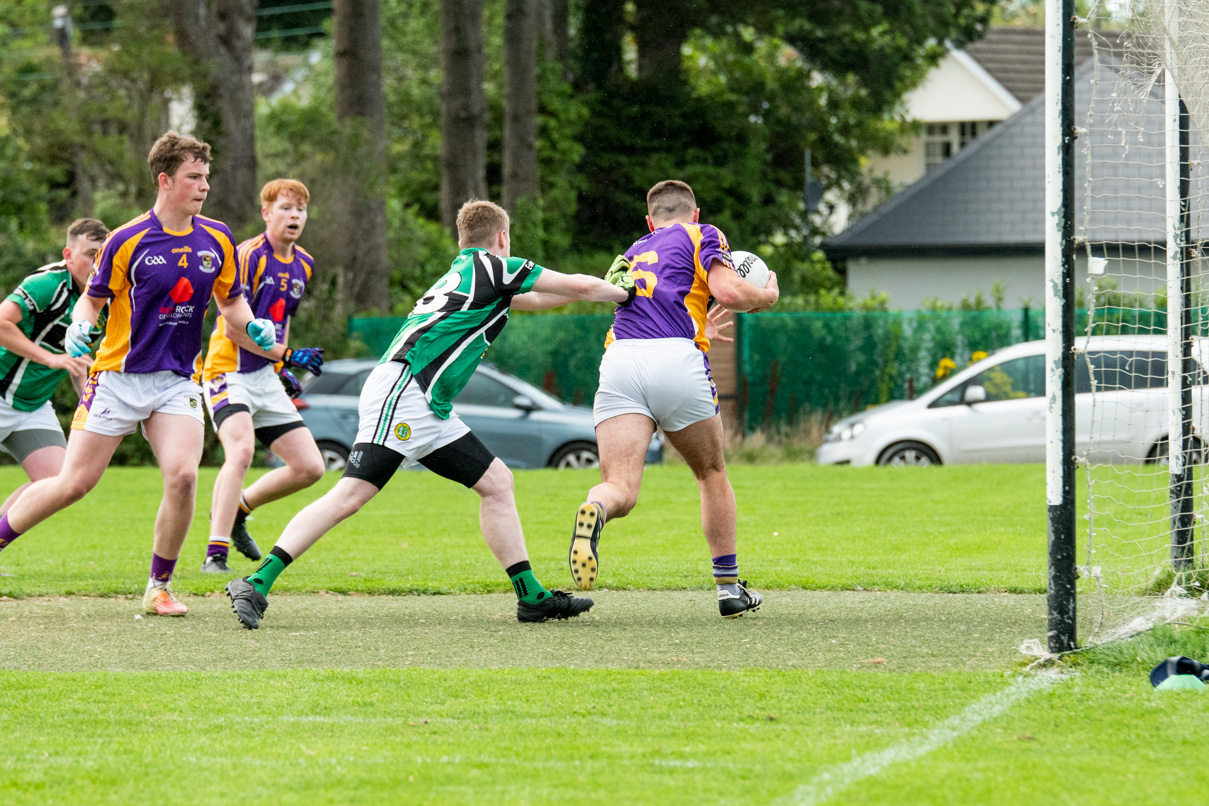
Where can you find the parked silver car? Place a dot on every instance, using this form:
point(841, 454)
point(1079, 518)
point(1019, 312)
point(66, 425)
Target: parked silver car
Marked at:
point(521, 424)
point(994, 410)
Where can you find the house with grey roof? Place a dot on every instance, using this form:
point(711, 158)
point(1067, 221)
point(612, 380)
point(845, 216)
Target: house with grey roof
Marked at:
point(979, 219)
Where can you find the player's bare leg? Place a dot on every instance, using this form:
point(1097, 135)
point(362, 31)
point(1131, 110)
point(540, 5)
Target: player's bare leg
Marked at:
point(41, 464)
point(239, 447)
point(249, 595)
point(701, 446)
point(498, 518)
point(501, 527)
point(623, 442)
point(303, 467)
point(84, 462)
point(176, 440)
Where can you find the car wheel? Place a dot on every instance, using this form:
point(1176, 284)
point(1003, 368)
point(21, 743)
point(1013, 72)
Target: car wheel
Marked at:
point(335, 455)
point(909, 454)
point(1160, 453)
point(576, 454)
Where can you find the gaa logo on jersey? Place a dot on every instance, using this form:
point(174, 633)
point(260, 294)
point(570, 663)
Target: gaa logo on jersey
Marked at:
point(209, 261)
point(403, 432)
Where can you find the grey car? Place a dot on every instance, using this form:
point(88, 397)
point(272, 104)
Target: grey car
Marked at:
point(519, 423)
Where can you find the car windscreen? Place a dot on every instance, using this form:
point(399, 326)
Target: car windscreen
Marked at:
point(483, 391)
point(334, 383)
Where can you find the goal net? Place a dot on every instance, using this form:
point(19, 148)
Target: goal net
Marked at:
point(1142, 389)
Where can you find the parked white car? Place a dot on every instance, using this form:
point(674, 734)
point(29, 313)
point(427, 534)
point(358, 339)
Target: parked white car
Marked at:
point(994, 410)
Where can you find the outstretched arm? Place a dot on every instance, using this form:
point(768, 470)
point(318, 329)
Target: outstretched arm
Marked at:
point(554, 288)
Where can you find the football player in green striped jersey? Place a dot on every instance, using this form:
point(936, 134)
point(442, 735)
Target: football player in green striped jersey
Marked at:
point(33, 325)
point(406, 412)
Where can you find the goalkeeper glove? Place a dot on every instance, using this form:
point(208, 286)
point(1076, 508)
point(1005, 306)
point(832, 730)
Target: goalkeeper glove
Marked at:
point(308, 358)
point(79, 339)
point(620, 276)
point(263, 332)
point(292, 387)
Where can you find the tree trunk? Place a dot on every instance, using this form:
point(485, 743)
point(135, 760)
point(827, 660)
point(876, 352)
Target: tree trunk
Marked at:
point(361, 111)
point(520, 102)
point(219, 35)
point(659, 32)
point(556, 34)
point(463, 108)
point(602, 25)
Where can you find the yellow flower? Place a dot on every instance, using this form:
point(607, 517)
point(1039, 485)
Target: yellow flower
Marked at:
point(977, 356)
point(945, 366)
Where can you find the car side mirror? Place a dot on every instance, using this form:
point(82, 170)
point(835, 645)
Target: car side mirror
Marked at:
point(524, 403)
point(974, 394)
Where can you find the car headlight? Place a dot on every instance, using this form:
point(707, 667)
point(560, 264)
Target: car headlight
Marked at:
point(845, 432)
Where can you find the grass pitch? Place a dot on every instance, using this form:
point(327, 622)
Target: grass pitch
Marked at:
point(882, 668)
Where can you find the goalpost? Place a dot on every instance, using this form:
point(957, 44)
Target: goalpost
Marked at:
point(1129, 394)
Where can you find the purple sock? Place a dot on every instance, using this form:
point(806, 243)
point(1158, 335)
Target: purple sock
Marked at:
point(161, 569)
point(7, 533)
point(220, 547)
point(726, 569)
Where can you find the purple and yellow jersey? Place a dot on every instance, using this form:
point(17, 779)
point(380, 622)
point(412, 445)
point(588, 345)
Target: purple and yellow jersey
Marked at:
point(273, 288)
point(159, 284)
point(671, 271)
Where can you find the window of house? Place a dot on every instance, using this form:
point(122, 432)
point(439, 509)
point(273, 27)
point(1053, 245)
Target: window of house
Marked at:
point(943, 140)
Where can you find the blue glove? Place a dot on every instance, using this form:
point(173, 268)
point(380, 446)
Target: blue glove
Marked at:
point(292, 387)
point(79, 339)
point(620, 276)
point(308, 358)
point(263, 333)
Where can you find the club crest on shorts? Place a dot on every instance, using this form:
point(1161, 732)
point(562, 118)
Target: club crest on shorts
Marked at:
point(403, 432)
point(192, 402)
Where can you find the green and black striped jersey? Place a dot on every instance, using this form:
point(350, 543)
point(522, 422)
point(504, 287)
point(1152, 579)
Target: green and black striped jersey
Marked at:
point(451, 327)
point(46, 298)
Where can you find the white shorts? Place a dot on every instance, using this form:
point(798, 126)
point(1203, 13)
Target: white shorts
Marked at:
point(668, 380)
point(394, 413)
point(14, 422)
point(114, 403)
point(260, 393)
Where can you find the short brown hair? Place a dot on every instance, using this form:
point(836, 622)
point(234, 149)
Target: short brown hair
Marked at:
point(479, 222)
point(173, 150)
point(283, 187)
point(669, 199)
point(88, 228)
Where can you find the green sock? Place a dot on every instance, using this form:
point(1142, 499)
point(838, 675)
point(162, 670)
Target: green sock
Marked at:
point(527, 588)
point(269, 570)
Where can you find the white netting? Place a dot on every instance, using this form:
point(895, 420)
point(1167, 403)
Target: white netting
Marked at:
point(1130, 579)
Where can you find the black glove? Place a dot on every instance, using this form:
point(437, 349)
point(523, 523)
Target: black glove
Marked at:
point(308, 358)
point(292, 387)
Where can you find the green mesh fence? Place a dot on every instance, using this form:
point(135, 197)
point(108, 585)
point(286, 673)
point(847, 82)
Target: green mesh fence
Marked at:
point(559, 353)
point(790, 365)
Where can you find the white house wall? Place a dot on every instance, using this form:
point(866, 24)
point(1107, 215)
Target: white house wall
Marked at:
point(911, 280)
point(958, 89)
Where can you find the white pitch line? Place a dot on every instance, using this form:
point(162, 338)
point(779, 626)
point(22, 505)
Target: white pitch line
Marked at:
point(835, 779)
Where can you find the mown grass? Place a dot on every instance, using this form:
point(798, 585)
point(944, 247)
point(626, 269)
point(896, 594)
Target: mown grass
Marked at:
point(835, 693)
point(954, 529)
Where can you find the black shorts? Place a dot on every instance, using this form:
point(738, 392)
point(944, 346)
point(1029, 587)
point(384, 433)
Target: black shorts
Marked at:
point(464, 460)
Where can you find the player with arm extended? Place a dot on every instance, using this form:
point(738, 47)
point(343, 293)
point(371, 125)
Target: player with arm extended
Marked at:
point(246, 390)
point(406, 413)
point(655, 373)
point(33, 326)
point(158, 274)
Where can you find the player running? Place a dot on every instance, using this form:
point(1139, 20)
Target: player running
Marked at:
point(33, 325)
point(244, 388)
point(655, 373)
point(158, 274)
point(406, 413)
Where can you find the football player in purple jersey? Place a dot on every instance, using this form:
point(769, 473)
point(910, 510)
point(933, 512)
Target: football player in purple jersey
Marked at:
point(655, 374)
